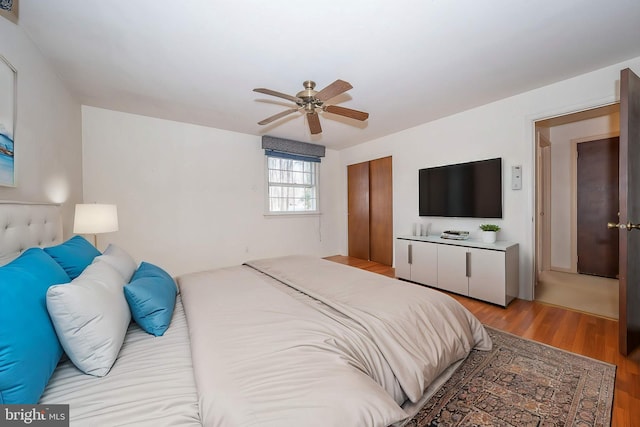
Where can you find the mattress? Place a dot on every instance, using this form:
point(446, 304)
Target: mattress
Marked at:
point(151, 383)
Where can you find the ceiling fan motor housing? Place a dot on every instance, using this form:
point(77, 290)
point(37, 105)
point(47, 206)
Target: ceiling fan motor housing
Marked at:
point(308, 97)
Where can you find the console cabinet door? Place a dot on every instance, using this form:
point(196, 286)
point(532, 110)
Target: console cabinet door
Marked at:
point(487, 278)
point(403, 268)
point(452, 272)
point(424, 268)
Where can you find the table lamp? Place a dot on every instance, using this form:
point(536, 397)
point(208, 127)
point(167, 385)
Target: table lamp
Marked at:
point(95, 218)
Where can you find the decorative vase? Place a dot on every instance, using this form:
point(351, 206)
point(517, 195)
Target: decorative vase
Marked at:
point(489, 236)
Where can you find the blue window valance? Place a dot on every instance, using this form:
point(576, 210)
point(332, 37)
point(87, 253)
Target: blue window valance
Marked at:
point(290, 149)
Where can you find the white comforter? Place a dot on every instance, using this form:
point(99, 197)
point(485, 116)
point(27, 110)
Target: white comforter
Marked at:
point(262, 357)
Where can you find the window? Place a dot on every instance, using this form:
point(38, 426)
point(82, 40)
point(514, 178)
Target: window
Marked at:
point(292, 185)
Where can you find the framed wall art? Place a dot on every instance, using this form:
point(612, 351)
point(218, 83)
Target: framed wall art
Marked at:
point(8, 84)
point(9, 9)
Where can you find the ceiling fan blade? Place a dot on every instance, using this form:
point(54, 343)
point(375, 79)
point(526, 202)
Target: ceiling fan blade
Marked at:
point(277, 116)
point(334, 89)
point(314, 123)
point(347, 112)
point(278, 94)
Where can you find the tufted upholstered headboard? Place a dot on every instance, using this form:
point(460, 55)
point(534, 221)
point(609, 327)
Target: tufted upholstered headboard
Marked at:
point(24, 225)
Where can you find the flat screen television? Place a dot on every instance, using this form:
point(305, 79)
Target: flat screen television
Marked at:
point(465, 190)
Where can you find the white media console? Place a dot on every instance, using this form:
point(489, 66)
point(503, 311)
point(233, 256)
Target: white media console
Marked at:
point(485, 271)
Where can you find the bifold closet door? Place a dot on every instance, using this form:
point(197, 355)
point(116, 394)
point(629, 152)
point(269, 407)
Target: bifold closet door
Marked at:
point(358, 210)
point(370, 210)
point(381, 211)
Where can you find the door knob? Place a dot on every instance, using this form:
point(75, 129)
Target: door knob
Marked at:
point(627, 226)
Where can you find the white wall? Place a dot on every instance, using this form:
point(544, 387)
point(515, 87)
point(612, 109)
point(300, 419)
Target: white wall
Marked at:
point(501, 129)
point(48, 144)
point(562, 170)
point(191, 197)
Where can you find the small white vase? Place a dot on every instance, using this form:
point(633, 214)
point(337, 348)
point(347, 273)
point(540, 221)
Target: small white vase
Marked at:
point(489, 236)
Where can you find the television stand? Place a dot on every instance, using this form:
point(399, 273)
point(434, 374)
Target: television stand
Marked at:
point(485, 271)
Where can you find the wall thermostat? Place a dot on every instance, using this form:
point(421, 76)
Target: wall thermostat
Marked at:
point(516, 177)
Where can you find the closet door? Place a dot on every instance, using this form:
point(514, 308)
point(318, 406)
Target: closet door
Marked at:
point(358, 210)
point(381, 211)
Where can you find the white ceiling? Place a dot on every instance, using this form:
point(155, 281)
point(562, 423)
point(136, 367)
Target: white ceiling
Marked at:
point(409, 61)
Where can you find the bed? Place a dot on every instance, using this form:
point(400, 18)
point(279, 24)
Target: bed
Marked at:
point(284, 341)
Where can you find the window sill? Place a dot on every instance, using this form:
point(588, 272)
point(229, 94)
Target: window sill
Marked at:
point(290, 214)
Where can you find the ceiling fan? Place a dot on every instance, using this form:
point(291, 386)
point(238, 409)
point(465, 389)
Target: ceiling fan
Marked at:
point(311, 102)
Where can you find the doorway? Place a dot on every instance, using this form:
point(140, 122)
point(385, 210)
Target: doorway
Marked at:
point(570, 234)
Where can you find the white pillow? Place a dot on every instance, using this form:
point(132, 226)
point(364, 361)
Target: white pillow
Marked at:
point(120, 260)
point(91, 317)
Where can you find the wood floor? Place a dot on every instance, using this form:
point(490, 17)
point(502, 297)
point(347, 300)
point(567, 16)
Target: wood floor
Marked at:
point(581, 333)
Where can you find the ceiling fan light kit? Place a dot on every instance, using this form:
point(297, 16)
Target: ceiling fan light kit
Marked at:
point(310, 102)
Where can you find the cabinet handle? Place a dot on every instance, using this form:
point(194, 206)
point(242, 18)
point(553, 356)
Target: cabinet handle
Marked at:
point(410, 254)
point(468, 266)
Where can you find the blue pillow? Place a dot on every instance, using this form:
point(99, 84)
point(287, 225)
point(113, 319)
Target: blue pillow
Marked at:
point(29, 347)
point(74, 255)
point(151, 296)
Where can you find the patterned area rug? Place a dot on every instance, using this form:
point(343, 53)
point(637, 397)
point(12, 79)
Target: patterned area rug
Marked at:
point(522, 383)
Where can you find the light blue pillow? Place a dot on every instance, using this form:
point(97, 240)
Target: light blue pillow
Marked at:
point(151, 296)
point(120, 260)
point(29, 347)
point(74, 255)
point(91, 317)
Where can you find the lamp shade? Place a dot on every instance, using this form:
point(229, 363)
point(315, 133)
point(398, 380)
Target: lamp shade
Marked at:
point(95, 218)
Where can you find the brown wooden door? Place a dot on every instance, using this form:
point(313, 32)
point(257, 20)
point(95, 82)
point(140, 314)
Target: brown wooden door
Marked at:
point(597, 199)
point(381, 211)
point(629, 319)
point(358, 210)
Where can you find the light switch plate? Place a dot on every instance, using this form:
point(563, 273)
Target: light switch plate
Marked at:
point(516, 177)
